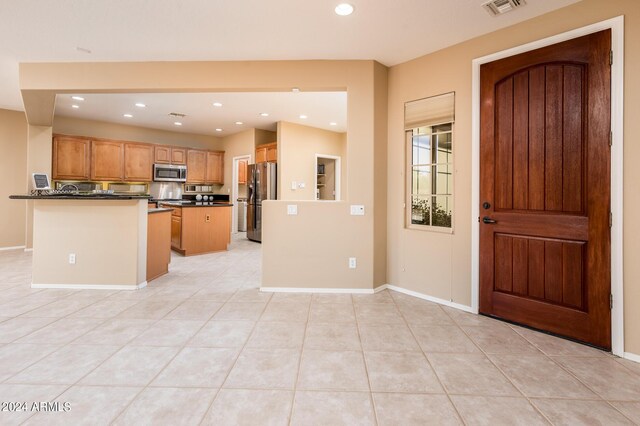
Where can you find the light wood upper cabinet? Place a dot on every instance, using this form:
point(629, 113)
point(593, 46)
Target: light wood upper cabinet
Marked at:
point(242, 172)
point(107, 160)
point(272, 153)
point(138, 162)
point(71, 159)
point(215, 167)
point(178, 156)
point(196, 166)
point(162, 154)
point(267, 153)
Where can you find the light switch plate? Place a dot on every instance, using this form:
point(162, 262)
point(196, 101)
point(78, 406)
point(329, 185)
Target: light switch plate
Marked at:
point(352, 263)
point(357, 210)
point(294, 185)
point(292, 209)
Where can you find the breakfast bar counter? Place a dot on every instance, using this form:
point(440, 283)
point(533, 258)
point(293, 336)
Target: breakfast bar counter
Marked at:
point(89, 241)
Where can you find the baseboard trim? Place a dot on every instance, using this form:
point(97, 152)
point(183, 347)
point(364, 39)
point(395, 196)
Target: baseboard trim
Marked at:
point(11, 248)
point(319, 290)
point(92, 286)
point(430, 298)
point(631, 357)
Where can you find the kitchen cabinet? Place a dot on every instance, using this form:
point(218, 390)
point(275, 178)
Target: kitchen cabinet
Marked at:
point(138, 162)
point(107, 160)
point(158, 244)
point(162, 154)
point(178, 156)
point(200, 229)
point(215, 167)
point(196, 166)
point(242, 172)
point(267, 153)
point(71, 158)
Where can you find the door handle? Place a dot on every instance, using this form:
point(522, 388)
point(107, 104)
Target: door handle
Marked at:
point(488, 220)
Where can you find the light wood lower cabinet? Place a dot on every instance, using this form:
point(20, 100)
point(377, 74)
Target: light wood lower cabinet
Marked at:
point(197, 230)
point(158, 244)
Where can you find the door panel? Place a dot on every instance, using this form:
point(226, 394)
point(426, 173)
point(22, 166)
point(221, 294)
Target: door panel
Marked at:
point(545, 174)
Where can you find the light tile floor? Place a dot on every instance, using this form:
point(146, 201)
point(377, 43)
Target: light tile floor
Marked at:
point(203, 346)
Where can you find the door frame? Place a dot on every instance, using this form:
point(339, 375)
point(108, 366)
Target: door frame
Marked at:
point(234, 190)
point(617, 108)
point(338, 176)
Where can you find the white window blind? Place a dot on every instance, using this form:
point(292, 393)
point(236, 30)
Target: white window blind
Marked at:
point(429, 111)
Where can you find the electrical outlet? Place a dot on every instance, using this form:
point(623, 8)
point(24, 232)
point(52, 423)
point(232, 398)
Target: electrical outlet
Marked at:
point(72, 258)
point(207, 218)
point(292, 209)
point(301, 185)
point(352, 263)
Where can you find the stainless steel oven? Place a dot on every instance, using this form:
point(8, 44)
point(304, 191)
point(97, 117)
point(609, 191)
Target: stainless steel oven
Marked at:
point(169, 173)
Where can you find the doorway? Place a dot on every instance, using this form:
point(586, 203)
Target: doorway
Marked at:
point(239, 192)
point(545, 241)
point(327, 173)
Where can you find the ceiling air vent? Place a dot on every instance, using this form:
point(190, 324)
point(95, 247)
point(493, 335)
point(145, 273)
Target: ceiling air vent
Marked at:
point(177, 115)
point(499, 7)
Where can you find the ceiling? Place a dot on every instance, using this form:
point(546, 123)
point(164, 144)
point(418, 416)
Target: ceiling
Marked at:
point(390, 32)
point(202, 117)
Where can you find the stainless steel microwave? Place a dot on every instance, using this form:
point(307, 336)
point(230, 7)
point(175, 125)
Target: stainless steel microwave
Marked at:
point(169, 173)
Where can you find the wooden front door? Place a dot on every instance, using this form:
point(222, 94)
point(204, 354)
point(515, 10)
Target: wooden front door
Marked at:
point(545, 189)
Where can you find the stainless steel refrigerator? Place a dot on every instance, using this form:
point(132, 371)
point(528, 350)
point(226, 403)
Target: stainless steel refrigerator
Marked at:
point(261, 180)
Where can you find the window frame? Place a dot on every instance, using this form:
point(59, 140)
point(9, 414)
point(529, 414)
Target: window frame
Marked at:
point(408, 135)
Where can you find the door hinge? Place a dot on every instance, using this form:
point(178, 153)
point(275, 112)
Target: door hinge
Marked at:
point(610, 219)
point(610, 138)
point(611, 57)
point(610, 301)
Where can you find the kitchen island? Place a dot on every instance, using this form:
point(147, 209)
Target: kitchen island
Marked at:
point(199, 227)
point(89, 241)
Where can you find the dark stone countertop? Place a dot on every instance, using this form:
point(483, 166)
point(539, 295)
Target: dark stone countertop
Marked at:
point(111, 197)
point(195, 204)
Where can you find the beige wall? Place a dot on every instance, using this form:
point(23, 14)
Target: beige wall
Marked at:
point(112, 254)
point(297, 149)
point(236, 145)
point(38, 161)
point(100, 129)
point(13, 175)
point(40, 82)
point(265, 136)
point(439, 264)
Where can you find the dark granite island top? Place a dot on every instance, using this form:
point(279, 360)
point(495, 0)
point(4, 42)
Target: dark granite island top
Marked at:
point(80, 197)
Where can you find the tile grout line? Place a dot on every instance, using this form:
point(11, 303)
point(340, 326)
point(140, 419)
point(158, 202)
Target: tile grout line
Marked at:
point(364, 361)
point(535, 407)
point(143, 388)
point(217, 393)
point(295, 382)
point(435, 373)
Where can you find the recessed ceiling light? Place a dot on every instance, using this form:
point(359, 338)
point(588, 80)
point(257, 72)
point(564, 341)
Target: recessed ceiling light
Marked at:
point(333, 123)
point(239, 123)
point(264, 114)
point(303, 116)
point(127, 115)
point(75, 106)
point(141, 105)
point(217, 104)
point(218, 129)
point(77, 98)
point(177, 123)
point(344, 9)
point(295, 89)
